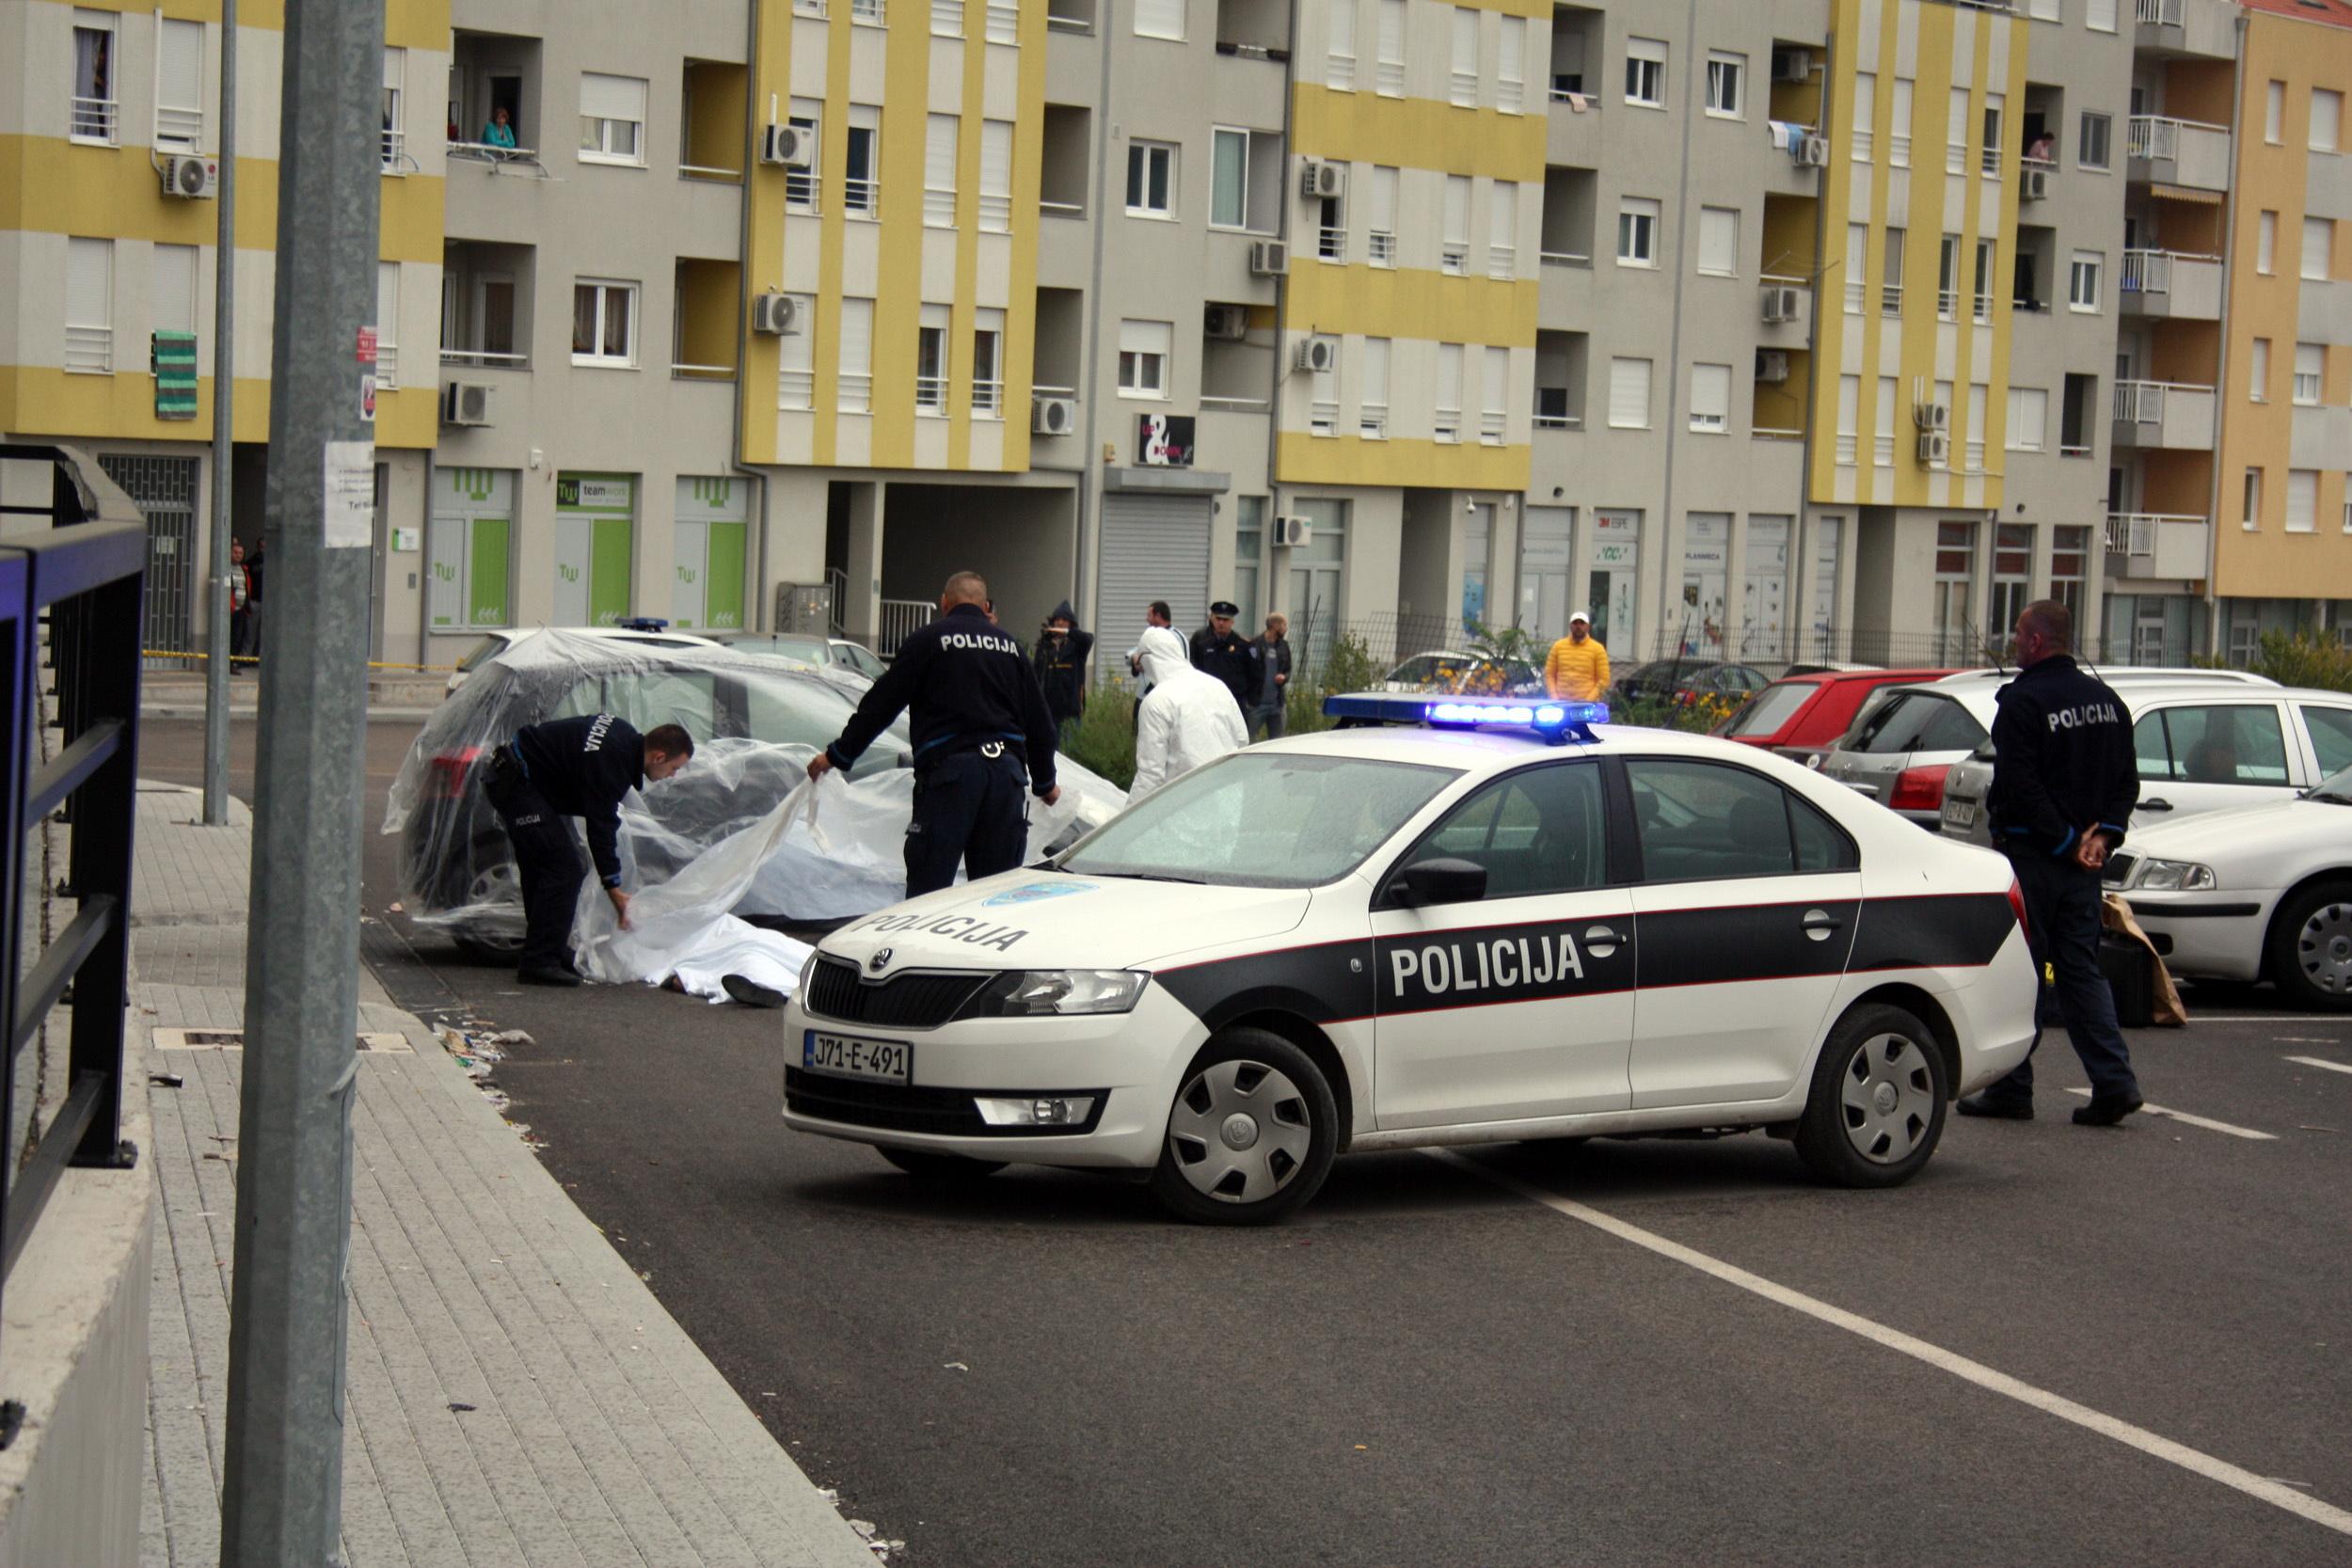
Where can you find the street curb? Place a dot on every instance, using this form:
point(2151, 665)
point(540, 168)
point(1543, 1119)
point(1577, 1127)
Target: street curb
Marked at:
point(196, 710)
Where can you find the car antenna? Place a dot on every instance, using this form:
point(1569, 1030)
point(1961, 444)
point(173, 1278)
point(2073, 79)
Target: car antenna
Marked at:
point(2000, 667)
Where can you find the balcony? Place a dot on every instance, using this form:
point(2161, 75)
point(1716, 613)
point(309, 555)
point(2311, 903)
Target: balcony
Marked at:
point(1565, 295)
point(2168, 285)
point(2152, 545)
point(487, 315)
point(1572, 134)
point(2182, 152)
point(2198, 28)
point(1790, 173)
point(1784, 311)
point(2165, 415)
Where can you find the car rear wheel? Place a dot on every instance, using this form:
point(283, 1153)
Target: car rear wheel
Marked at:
point(927, 1167)
point(495, 882)
point(1876, 1110)
point(2310, 948)
point(1252, 1134)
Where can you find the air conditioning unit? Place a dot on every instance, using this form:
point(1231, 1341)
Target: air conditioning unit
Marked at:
point(1228, 322)
point(191, 178)
point(1792, 65)
point(1936, 448)
point(1781, 305)
point(787, 145)
point(1772, 365)
point(1053, 415)
point(1318, 354)
point(2037, 185)
point(466, 403)
point(1318, 179)
point(1268, 259)
point(1813, 152)
point(1931, 415)
point(1290, 532)
point(777, 315)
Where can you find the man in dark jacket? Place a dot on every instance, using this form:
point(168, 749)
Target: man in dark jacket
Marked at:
point(571, 767)
point(1270, 679)
point(978, 716)
point(1061, 656)
point(1218, 650)
point(2065, 780)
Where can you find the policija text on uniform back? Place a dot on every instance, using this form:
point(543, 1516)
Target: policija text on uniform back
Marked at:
point(980, 715)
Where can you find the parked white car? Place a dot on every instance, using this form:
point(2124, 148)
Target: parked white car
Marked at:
point(496, 643)
point(2255, 893)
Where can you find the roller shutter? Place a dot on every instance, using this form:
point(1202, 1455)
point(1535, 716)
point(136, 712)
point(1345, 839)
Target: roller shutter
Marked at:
point(1154, 547)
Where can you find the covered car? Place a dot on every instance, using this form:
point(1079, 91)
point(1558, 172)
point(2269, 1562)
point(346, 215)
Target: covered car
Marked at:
point(1466, 674)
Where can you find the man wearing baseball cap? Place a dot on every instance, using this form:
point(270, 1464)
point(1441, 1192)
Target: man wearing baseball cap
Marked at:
point(1220, 651)
point(1578, 670)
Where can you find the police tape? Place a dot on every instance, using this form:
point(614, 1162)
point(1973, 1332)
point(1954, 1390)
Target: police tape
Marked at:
point(256, 659)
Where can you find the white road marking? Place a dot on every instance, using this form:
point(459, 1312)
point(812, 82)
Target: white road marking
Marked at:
point(2207, 1124)
point(2314, 1061)
point(2277, 1494)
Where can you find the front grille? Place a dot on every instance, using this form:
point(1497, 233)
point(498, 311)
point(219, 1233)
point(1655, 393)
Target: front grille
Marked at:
point(901, 1108)
point(916, 1001)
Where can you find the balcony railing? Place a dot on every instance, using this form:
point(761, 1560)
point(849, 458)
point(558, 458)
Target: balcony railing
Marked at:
point(861, 198)
point(92, 120)
point(2158, 13)
point(1388, 78)
point(1004, 22)
point(939, 208)
point(1491, 424)
point(1339, 71)
point(2142, 401)
point(2159, 545)
point(1323, 417)
point(868, 11)
point(1446, 426)
point(1890, 299)
point(1331, 244)
point(387, 366)
point(997, 213)
point(901, 619)
point(89, 350)
point(702, 372)
point(1382, 248)
point(947, 19)
point(931, 394)
point(853, 393)
point(1372, 421)
point(988, 400)
point(1214, 405)
point(796, 390)
point(1502, 262)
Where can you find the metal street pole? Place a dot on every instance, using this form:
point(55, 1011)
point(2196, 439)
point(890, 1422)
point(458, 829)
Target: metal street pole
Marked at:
point(282, 1496)
point(224, 433)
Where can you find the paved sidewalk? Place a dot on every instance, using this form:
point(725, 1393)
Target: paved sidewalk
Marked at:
point(516, 1395)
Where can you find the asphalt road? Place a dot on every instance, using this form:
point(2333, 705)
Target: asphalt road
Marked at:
point(1431, 1365)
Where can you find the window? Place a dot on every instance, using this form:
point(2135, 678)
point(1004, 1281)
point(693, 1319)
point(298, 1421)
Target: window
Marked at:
point(387, 325)
point(1502, 230)
point(1511, 65)
point(1228, 177)
point(92, 115)
point(861, 182)
point(1637, 233)
point(1151, 179)
point(2267, 244)
point(2070, 556)
point(1330, 229)
point(1646, 73)
point(172, 288)
point(1453, 238)
point(1956, 133)
point(2082, 281)
point(1726, 86)
point(1899, 129)
point(1381, 217)
point(800, 184)
point(1719, 242)
point(1539, 831)
point(1372, 420)
point(604, 322)
point(1858, 266)
point(1389, 73)
point(1249, 557)
point(1891, 274)
point(939, 173)
point(1339, 71)
point(2028, 419)
point(2258, 389)
point(2097, 136)
point(947, 19)
point(1849, 419)
point(1993, 104)
point(2331, 736)
point(180, 84)
point(1987, 255)
point(1980, 416)
point(1446, 423)
point(867, 12)
point(1629, 395)
point(2319, 238)
point(855, 389)
point(1143, 351)
point(988, 364)
point(1866, 96)
point(1160, 19)
point(89, 306)
point(1948, 278)
point(2100, 16)
point(1882, 425)
point(1003, 25)
point(395, 109)
point(1462, 84)
point(2311, 366)
point(2274, 113)
point(996, 177)
point(2234, 743)
point(1710, 399)
point(1322, 408)
point(2327, 119)
point(2253, 514)
point(1494, 403)
point(1919, 720)
point(796, 358)
point(612, 118)
point(1700, 821)
point(2302, 500)
point(930, 360)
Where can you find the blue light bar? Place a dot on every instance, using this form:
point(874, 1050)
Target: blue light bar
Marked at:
point(1554, 721)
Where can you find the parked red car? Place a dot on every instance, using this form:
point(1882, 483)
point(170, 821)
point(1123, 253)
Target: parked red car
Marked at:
point(1802, 716)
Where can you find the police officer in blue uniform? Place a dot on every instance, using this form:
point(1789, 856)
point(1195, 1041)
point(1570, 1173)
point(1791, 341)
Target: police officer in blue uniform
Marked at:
point(2065, 779)
point(980, 715)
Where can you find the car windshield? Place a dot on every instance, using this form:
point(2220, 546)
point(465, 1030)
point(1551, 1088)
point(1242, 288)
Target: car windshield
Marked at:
point(1262, 819)
point(2336, 790)
point(480, 653)
point(1773, 708)
point(1916, 722)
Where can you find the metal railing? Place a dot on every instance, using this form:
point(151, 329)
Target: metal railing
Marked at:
point(900, 619)
point(862, 198)
point(2161, 13)
point(947, 19)
point(1003, 23)
point(1388, 78)
point(474, 358)
point(89, 350)
point(2159, 135)
point(1212, 405)
point(1372, 421)
point(1381, 245)
point(939, 208)
point(1339, 71)
point(997, 213)
point(2142, 401)
point(796, 390)
point(988, 400)
point(853, 393)
point(702, 372)
point(868, 11)
point(931, 394)
point(1331, 244)
point(1502, 262)
point(91, 118)
point(84, 565)
point(1323, 417)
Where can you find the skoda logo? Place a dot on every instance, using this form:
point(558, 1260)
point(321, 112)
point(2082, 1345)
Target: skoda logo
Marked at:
point(879, 961)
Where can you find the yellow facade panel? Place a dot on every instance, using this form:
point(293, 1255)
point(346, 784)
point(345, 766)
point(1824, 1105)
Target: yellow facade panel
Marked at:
point(1416, 132)
point(1401, 302)
point(1304, 459)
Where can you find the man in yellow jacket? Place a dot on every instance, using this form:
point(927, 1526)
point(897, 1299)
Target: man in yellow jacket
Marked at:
point(1578, 670)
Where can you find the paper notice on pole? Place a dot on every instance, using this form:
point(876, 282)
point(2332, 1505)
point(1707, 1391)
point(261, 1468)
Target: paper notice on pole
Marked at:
point(350, 495)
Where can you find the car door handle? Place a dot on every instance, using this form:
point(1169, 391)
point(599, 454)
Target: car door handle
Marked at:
point(1819, 924)
point(2155, 805)
point(1601, 940)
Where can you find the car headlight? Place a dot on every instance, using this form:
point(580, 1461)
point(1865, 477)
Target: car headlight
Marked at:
point(2174, 877)
point(1038, 993)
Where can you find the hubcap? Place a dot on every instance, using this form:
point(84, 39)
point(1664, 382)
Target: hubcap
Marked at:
point(1239, 1131)
point(2324, 949)
point(1889, 1099)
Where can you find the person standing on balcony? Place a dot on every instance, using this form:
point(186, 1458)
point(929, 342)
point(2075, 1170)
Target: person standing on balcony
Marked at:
point(1576, 670)
point(500, 131)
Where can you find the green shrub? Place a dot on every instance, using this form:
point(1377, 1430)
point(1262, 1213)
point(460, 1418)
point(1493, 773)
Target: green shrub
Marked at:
point(1105, 741)
point(2304, 659)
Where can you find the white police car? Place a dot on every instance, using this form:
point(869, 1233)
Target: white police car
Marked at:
point(1497, 923)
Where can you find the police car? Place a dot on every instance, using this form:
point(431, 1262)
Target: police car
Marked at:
point(1447, 920)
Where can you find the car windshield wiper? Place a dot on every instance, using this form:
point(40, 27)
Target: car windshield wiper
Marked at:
point(2328, 795)
point(1144, 877)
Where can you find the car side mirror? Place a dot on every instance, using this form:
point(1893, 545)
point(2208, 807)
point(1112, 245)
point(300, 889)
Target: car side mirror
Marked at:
point(1438, 881)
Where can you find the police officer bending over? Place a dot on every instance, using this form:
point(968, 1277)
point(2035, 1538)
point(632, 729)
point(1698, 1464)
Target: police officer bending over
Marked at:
point(979, 712)
point(2065, 782)
point(571, 767)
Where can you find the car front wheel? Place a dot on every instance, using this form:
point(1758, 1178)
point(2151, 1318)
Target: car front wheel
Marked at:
point(1252, 1134)
point(2310, 948)
point(1876, 1109)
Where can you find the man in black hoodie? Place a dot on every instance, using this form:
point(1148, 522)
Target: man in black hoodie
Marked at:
point(2065, 780)
point(571, 767)
point(1062, 652)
